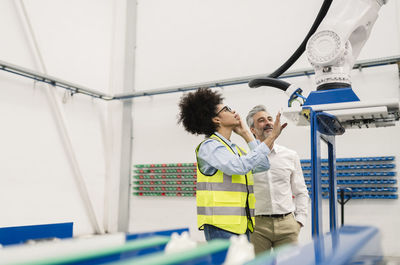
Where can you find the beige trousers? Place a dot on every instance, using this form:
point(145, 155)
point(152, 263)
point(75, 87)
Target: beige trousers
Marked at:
point(272, 232)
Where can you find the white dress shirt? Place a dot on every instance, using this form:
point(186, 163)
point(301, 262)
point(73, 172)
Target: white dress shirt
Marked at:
point(282, 189)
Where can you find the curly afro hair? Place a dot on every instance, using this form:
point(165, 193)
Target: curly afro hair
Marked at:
point(197, 110)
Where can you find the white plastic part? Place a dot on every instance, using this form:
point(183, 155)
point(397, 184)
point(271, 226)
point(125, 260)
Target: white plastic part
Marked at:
point(291, 89)
point(390, 103)
point(334, 47)
point(377, 113)
point(240, 251)
point(179, 243)
point(297, 103)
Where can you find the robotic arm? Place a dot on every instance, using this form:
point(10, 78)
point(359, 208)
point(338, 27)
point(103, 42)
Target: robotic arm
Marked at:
point(335, 46)
point(332, 51)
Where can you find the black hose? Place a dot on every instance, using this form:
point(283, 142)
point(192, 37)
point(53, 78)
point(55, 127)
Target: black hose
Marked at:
point(300, 50)
point(274, 82)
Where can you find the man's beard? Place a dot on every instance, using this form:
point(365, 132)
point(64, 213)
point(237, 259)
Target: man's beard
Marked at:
point(266, 133)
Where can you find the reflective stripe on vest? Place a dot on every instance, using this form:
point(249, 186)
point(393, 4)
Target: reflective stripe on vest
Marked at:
point(227, 185)
point(223, 211)
point(221, 198)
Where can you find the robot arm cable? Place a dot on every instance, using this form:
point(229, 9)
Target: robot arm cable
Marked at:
point(300, 50)
point(272, 80)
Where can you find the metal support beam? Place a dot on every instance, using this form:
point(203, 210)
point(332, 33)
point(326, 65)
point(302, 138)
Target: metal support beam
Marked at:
point(50, 80)
point(61, 123)
point(316, 185)
point(127, 123)
point(318, 133)
point(330, 141)
point(74, 88)
point(246, 79)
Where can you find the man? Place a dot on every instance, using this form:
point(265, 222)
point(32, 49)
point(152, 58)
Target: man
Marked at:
point(281, 193)
point(225, 198)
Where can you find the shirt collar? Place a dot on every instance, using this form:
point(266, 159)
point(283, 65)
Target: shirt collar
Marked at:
point(232, 145)
point(276, 148)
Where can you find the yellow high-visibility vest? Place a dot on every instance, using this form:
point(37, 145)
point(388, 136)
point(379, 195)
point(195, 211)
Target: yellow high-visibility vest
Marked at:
point(225, 201)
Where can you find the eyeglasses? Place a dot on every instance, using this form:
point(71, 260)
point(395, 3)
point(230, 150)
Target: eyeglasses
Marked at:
point(225, 108)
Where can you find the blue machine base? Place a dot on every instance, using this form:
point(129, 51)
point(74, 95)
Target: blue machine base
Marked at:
point(348, 245)
point(337, 95)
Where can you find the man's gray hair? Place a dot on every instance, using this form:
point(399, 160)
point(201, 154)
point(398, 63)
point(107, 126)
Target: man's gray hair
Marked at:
point(252, 112)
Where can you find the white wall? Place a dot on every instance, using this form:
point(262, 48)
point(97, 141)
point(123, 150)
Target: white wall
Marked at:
point(179, 42)
point(183, 42)
point(76, 40)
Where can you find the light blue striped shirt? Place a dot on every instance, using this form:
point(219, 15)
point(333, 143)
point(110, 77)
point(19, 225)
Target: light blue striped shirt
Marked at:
point(213, 155)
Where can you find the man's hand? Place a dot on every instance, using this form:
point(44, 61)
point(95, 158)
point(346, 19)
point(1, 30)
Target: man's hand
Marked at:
point(276, 131)
point(278, 127)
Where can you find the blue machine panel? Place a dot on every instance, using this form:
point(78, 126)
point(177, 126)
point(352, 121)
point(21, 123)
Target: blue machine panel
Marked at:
point(156, 233)
point(337, 95)
point(20, 234)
